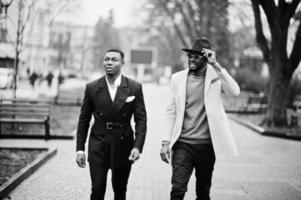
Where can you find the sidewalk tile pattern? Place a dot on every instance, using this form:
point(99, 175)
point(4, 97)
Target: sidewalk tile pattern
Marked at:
point(266, 169)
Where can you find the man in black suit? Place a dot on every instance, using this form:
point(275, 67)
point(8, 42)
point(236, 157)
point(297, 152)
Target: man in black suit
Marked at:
point(112, 99)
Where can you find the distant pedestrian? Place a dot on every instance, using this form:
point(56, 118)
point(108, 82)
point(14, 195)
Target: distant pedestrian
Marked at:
point(49, 78)
point(28, 71)
point(197, 128)
point(60, 78)
point(32, 78)
point(113, 144)
point(40, 78)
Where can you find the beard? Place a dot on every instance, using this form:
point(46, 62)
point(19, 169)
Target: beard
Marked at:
point(110, 74)
point(109, 70)
point(198, 66)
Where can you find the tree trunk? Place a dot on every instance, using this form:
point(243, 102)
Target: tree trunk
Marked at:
point(278, 98)
point(281, 66)
point(16, 68)
point(277, 101)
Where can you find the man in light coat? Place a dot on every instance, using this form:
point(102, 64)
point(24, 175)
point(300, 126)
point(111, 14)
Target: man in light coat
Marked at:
point(197, 129)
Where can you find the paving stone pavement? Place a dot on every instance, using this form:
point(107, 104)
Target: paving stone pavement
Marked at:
point(266, 169)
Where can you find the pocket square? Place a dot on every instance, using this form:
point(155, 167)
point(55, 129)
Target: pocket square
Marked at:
point(214, 80)
point(129, 99)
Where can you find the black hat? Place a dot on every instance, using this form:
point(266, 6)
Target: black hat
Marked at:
point(198, 45)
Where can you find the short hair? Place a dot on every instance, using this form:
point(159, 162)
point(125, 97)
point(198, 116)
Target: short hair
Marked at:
point(117, 51)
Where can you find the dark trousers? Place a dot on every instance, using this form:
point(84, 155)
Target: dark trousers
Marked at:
point(98, 175)
point(185, 158)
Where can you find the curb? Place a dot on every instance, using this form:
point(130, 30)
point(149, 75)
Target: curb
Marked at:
point(55, 137)
point(61, 137)
point(25, 172)
point(262, 131)
point(248, 124)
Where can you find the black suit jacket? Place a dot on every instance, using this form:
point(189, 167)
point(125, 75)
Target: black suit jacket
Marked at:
point(97, 102)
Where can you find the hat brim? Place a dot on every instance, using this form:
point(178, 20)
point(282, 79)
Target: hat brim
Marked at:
point(193, 51)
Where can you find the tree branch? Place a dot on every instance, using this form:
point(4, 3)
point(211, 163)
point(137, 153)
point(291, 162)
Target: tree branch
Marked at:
point(270, 10)
point(24, 25)
point(168, 37)
point(276, 23)
point(201, 16)
point(260, 37)
point(192, 12)
point(176, 27)
point(292, 8)
point(295, 56)
point(180, 6)
point(286, 12)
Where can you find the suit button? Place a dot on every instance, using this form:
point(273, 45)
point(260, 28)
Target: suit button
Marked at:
point(124, 115)
point(121, 137)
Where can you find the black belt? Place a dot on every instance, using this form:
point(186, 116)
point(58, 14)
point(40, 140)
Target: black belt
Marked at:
point(111, 125)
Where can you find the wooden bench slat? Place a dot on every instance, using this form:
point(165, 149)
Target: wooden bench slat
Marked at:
point(25, 112)
point(23, 120)
point(24, 105)
point(25, 101)
point(22, 109)
point(3, 105)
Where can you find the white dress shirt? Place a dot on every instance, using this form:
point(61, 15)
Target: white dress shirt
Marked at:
point(113, 86)
point(112, 90)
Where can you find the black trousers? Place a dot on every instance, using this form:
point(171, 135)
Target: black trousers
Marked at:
point(185, 158)
point(99, 174)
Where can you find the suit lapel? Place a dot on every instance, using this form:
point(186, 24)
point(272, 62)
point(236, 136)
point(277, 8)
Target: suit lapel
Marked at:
point(120, 97)
point(103, 98)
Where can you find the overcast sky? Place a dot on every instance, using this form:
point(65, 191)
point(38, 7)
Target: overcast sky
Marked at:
point(123, 10)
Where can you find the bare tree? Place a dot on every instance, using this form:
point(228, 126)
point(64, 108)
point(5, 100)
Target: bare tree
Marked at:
point(281, 65)
point(106, 36)
point(189, 19)
point(62, 46)
point(24, 10)
point(24, 21)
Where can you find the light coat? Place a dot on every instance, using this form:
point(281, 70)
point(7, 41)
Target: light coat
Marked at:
point(215, 82)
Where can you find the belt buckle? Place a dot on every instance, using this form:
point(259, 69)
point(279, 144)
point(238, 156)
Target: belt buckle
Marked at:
point(109, 125)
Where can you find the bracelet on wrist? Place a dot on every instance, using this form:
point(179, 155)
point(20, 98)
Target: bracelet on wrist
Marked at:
point(165, 143)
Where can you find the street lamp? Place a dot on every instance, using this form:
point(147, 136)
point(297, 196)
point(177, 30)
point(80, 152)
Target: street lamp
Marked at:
point(4, 4)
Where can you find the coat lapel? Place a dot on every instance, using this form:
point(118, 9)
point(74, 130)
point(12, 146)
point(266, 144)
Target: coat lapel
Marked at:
point(208, 78)
point(103, 98)
point(120, 97)
point(182, 83)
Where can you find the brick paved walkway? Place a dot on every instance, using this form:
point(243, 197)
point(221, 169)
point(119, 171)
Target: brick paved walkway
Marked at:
point(267, 168)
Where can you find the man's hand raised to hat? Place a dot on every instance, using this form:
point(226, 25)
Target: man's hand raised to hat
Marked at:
point(211, 57)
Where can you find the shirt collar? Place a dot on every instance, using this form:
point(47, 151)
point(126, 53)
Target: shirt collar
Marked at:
point(117, 81)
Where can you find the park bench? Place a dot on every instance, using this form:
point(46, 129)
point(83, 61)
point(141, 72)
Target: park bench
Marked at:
point(69, 98)
point(245, 104)
point(25, 112)
point(256, 104)
point(67, 101)
point(297, 104)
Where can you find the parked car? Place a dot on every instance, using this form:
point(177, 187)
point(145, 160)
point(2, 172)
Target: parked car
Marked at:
point(6, 78)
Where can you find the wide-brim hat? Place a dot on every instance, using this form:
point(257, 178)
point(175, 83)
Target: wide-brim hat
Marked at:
point(198, 46)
